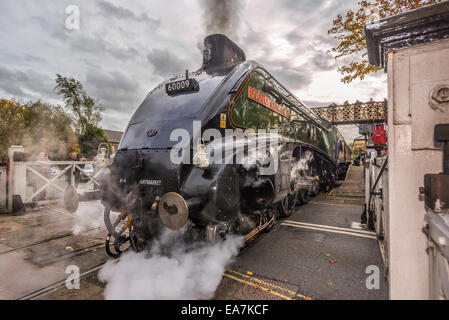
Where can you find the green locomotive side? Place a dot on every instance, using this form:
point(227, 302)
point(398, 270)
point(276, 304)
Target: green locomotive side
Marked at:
point(263, 103)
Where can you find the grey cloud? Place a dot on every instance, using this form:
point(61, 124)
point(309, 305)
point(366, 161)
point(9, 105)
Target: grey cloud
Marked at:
point(109, 9)
point(295, 37)
point(256, 40)
point(316, 104)
point(84, 43)
point(31, 58)
point(115, 90)
point(116, 120)
point(323, 61)
point(327, 40)
point(28, 84)
point(99, 47)
point(305, 6)
point(166, 63)
point(293, 79)
point(55, 29)
point(377, 93)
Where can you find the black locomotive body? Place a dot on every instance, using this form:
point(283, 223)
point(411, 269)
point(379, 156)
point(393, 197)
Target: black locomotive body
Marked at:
point(228, 94)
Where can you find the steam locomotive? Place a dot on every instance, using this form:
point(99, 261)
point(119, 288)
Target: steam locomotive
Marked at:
point(158, 181)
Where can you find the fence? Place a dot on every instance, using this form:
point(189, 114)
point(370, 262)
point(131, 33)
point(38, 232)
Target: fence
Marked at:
point(43, 182)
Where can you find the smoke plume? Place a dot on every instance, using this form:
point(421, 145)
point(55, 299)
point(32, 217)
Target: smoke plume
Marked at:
point(172, 270)
point(222, 16)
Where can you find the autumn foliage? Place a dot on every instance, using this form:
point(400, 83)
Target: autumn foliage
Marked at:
point(53, 129)
point(349, 31)
point(39, 127)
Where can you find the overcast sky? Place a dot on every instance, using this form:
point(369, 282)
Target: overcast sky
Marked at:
point(124, 49)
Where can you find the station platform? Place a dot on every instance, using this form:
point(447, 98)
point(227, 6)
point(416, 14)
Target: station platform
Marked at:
point(320, 252)
point(314, 254)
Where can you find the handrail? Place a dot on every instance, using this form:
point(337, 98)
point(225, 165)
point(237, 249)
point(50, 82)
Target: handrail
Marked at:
point(377, 181)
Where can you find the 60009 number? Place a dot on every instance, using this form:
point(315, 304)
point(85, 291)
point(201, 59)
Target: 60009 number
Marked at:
point(181, 86)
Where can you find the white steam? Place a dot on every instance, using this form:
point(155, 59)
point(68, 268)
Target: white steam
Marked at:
point(88, 216)
point(300, 169)
point(171, 270)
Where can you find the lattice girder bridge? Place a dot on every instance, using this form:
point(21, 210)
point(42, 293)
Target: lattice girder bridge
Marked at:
point(356, 113)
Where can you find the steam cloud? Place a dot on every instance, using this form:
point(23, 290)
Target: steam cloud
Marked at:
point(222, 16)
point(301, 168)
point(89, 215)
point(172, 270)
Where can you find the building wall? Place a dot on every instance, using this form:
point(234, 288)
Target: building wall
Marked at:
point(3, 193)
point(412, 73)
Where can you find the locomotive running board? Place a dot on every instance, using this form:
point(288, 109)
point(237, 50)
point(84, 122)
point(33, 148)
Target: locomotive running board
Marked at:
point(257, 230)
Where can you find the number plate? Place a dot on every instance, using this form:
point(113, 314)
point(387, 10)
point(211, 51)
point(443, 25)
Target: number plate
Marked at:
point(176, 87)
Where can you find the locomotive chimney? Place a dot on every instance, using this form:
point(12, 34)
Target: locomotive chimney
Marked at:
point(221, 54)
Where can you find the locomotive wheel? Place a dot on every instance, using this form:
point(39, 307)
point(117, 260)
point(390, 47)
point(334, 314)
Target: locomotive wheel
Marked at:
point(287, 205)
point(304, 195)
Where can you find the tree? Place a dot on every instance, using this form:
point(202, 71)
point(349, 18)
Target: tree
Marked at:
point(48, 128)
point(11, 125)
point(90, 141)
point(86, 114)
point(349, 31)
point(85, 110)
point(37, 126)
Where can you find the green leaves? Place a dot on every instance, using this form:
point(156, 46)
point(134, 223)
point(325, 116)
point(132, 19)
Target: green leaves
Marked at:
point(84, 109)
point(85, 114)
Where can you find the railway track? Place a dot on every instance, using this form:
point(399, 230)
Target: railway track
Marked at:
point(61, 284)
point(57, 285)
point(67, 235)
point(37, 294)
